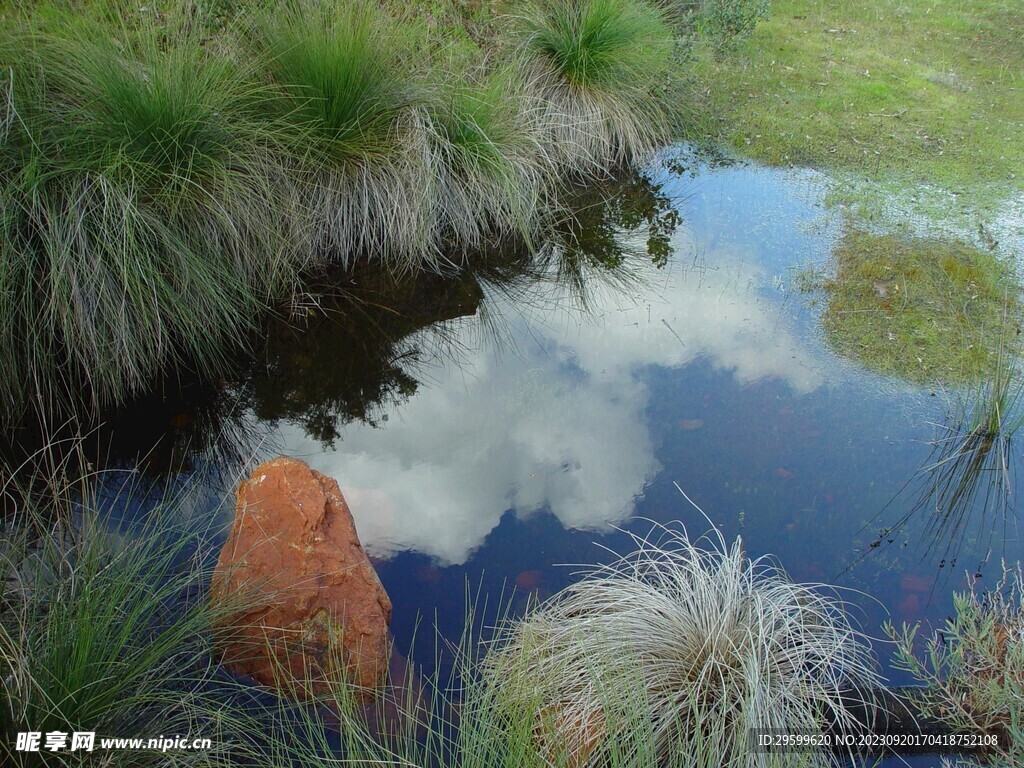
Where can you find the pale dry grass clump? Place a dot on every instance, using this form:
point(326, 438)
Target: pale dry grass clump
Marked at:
point(709, 642)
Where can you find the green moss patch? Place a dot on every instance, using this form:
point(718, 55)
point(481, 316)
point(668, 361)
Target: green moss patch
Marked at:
point(925, 310)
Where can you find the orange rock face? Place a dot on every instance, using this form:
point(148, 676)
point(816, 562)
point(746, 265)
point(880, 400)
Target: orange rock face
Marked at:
point(303, 603)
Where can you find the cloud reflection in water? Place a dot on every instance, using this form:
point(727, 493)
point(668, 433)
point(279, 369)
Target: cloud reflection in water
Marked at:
point(558, 421)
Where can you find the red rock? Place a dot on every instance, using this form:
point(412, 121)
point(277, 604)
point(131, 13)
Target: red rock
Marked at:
point(911, 582)
point(688, 425)
point(302, 603)
point(529, 579)
point(429, 574)
point(910, 606)
point(784, 473)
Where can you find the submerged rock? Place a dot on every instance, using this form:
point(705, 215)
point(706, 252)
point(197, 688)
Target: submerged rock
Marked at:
point(302, 605)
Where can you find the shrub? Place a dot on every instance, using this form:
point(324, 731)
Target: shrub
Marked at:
point(709, 643)
point(724, 22)
point(974, 667)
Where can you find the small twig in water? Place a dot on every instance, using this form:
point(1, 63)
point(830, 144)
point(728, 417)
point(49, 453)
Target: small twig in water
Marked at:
point(673, 331)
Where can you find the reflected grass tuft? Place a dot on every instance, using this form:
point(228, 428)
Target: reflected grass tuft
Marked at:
point(965, 487)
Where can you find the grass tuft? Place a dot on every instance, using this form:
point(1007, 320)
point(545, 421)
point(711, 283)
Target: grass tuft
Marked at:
point(594, 71)
point(105, 630)
point(965, 487)
point(138, 225)
point(708, 642)
point(485, 163)
point(348, 98)
point(167, 174)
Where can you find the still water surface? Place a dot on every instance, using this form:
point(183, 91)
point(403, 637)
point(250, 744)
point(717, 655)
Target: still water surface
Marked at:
point(547, 418)
point(508, 442)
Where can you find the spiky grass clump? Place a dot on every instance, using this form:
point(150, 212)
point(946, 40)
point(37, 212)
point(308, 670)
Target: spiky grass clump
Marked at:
point(711, 643)
point(160, 184)
point(348, 97)
point(486, 170)
point(105, 631)
point(595, 67)
point(169, 117)
point(137, 228)
point(964, 489)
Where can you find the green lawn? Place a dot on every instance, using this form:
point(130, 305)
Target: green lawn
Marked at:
point(908, 92)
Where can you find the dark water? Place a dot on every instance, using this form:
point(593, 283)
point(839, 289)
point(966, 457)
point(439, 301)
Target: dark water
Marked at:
point(505, 422)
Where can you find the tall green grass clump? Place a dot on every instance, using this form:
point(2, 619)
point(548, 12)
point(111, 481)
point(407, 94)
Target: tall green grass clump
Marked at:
point(106, 630)
point(348, 95)
point(708, 642)
point(485, 157)
point(138, 229)
point(595, 68)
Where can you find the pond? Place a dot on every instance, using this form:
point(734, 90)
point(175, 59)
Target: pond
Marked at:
point(523, 421)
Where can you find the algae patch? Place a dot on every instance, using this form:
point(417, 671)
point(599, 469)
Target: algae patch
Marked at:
point(926, 310)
